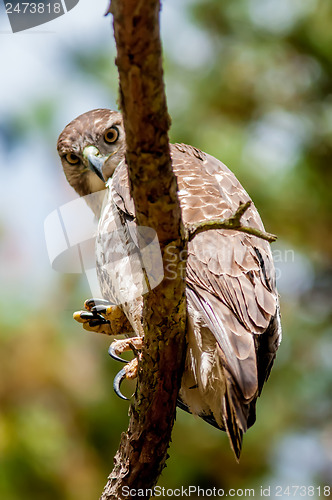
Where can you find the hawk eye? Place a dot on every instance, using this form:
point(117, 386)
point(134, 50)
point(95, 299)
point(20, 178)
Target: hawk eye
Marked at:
point(111, 135)
point(72, 159)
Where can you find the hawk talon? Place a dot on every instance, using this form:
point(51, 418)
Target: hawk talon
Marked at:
point(91, 303)
point(98, 319)
point(118, 379)
point(99, 309)
point(128, 372)
point(86, 315)
point(112, 353)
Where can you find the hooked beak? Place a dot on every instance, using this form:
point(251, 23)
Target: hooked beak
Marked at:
point(95, 161)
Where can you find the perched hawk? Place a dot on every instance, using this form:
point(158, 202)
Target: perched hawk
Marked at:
point(233, 313)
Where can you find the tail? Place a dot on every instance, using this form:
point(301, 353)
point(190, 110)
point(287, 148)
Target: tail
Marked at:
point(238, 416)
point(233, 427)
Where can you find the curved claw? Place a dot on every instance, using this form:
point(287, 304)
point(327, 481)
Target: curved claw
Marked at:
point(118, 379)
point(91, 316)
point(86, 315)
point(96, 321)
point(99, 309)
point(90, 303)
point(112, 353)
point(101, 319)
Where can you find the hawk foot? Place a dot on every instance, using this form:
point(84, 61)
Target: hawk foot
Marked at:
point(100, 316)
point(129, 372)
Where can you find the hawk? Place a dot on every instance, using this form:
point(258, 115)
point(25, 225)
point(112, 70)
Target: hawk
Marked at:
point(234, 327)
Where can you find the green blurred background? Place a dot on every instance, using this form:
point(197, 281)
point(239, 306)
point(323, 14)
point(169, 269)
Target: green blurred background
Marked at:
point(248, 81)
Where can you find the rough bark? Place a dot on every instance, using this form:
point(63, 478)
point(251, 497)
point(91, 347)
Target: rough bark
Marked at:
point(143, 448)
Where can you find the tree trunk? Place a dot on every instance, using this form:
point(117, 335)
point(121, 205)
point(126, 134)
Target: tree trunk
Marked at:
point(143, 448)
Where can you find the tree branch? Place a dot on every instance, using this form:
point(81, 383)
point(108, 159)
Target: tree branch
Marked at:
point(143, 448)
point(233, 222)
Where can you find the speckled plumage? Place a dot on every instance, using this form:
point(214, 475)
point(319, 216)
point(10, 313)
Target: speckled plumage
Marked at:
point(234, 324)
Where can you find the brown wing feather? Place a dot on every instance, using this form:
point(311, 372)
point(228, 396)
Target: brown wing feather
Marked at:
point(231, 276)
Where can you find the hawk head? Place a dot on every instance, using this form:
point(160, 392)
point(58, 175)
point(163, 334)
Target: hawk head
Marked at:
point(90, 148)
